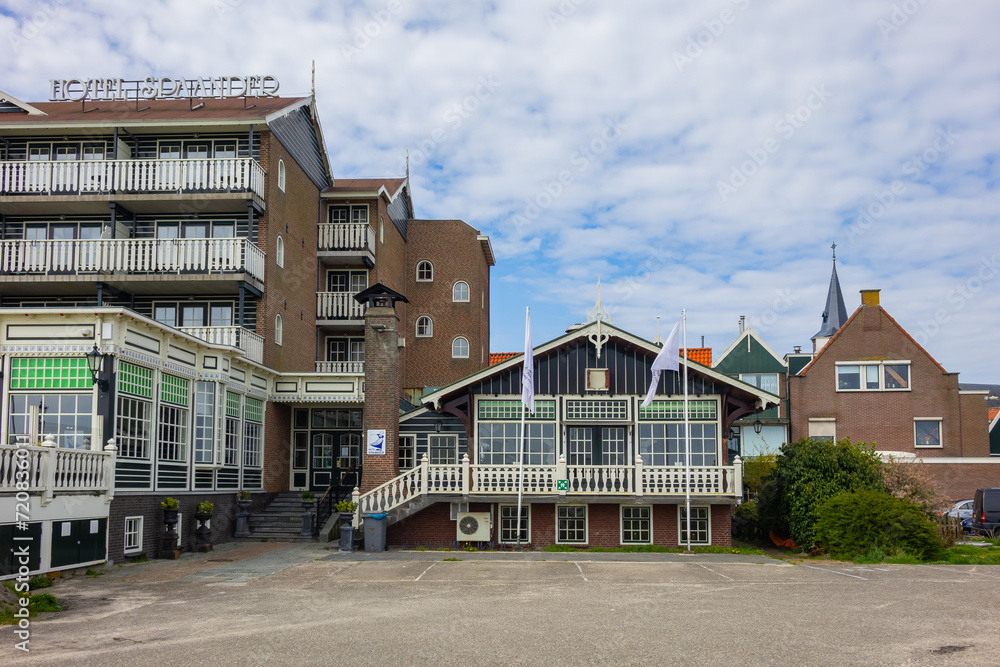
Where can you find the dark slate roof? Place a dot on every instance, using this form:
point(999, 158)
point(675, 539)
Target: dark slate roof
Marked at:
point(835, 314)
point(378, 289)
point(993, 389)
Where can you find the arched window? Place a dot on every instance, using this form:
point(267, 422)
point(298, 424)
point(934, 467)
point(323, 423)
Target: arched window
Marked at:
point(460, 292)
point(425, 328)
point(460, 348)
point(277, 329)
point(279, 254)
point(281, 175)
point(425, 272)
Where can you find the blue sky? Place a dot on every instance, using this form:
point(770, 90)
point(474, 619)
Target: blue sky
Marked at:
point(698, 155)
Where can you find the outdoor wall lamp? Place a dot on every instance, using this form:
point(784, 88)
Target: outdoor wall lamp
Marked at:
point(733, 433)
point(95, 362)
point(437, 426)
point(757, 426)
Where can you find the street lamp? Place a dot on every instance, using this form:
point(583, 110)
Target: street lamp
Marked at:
point(95, 362)
point(757, 426)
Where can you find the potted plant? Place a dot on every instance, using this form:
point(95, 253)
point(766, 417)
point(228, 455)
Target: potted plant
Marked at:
point(243, 514)
point(168, 543)
point(203, 534)
point(346, 509)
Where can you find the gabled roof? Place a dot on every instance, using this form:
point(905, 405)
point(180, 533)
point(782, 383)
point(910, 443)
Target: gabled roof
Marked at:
point(703, 355)
point(763, 398)
point(994, 417)
point(389, 188)
point(746, 341)
point(498, 357)
point(835, 313)
point(8, 103)
point(848, 323)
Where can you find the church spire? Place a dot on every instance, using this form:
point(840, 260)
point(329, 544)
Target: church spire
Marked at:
point(835, 314)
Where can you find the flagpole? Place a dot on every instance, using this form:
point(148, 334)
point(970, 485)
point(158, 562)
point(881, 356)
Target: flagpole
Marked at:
point(520, 477)
point(687, 436)
point(527, 403)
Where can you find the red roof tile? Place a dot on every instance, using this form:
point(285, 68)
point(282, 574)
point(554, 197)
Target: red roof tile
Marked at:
point(703, 355)
point(500, 357)
point(993, 413)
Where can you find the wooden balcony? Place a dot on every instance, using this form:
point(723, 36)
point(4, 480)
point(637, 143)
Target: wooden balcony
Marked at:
point(346, 243)
point(339, 306)
point(250, 343)
point(129, 257)
point(83, 177)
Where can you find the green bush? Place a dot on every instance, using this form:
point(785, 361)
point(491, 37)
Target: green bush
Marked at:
point(807, 472)
point(746, 522)
point(867, 522)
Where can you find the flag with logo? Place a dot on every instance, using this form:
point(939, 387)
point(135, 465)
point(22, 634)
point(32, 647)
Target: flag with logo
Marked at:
point(666, 360)
point(528, 373)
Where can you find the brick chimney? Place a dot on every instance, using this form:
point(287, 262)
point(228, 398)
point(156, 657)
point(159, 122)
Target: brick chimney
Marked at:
point(381, 412)
point(869, 297)
point(872, 312)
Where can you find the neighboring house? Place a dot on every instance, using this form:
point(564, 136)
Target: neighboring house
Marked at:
point(994, 431)
point(872, 382)
point(202, 248)
point(751, 360)
point(599, 469)
point(993, 403)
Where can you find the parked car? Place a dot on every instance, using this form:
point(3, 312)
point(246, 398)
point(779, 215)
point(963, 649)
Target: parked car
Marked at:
point(960, 510)
point(986, 512)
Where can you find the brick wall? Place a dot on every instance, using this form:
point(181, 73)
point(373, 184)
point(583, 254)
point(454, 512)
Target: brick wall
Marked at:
point(289, 291)
point(433, 525)
point(959, 481)
point(277, 446)
point(223, 522)
point(381, 395)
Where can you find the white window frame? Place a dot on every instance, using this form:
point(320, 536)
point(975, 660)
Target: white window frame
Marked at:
point(430, 267)
point(278, 329)
point(457, 354)
point(940, 423)
point(586, 524)
point(526, 507)
point(708, 528)
point(881, 366)
point(411, 447)
point(455, 297)
point(136, 546)
point(281, 175)
point(452, 448)
point(621, 524)
point(430, 327)
point(279, 252)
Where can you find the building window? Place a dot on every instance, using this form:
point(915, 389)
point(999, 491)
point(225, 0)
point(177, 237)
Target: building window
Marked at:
point(927, 432)
point(498, 443)
point(508, 523)
point(766, 381)
point(281, 175)
point(700, 528)
point(425, 328)
point(279, 252)
point(443, 449)
point(663, 444)
point(253, 415)
point(133, 417)
point(571, 524)
point(407, 452)
point(277, 330)
point(823, 428)
point(204, 422)
point(425, 271)
point(133, 534)
point(636, 524)
point(460, 292)
point(882, 376)
point(460, 348)
point(67, 416)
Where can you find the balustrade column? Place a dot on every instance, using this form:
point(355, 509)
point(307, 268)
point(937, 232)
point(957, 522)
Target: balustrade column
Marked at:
point(561, 473)
point(109, 470)
point(738, 477)
point(465, 475)
point(638, 475)
point(49, 463)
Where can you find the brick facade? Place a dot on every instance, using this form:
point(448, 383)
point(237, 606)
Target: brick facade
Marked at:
point(381, 394)
point(277, 446)
point(959, 481)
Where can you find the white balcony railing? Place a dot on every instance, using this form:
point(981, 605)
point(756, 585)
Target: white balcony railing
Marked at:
point(471, 480)
point(50, 471)
point(238, 337)
point(341, 367)
point(346, 236)
point(70, 177)
point(132, 256)
point(338, 306)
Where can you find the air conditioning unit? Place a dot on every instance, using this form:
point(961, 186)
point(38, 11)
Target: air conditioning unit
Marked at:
point(473, 527)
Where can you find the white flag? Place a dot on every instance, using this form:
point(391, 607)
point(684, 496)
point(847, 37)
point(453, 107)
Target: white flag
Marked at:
point(528, 373)
point(666, 360)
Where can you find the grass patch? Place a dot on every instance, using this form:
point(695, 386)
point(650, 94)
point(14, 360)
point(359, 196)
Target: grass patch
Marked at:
point(452, 559)
point(38, 603)
point(657, 548)
point(93, 574)
point(39, 581)
point(558, 548)
point(141, 558)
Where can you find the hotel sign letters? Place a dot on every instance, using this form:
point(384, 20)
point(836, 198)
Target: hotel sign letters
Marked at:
point(162, 88)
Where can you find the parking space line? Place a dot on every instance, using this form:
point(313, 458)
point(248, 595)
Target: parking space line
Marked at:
point(581, 571)
point(425, 571)
point(947, 568)
point(716, 573)
point(843, 574)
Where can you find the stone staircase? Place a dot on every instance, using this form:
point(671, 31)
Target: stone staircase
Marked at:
point(281, 520)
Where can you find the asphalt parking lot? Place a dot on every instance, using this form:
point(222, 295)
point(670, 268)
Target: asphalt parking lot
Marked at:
point(274, 604)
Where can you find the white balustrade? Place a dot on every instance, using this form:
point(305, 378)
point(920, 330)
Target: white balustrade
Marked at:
point(131, 176)
point(504, 479)
point(446, 478)
point(52, 470)
point(346, 236)
point(600, 479)
point(238, 337)
point(132, 256)
point(392, 494)
point(341, 367)
point(338, 306)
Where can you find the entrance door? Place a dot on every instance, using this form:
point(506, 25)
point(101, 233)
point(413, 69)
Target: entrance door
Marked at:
point(321, 463)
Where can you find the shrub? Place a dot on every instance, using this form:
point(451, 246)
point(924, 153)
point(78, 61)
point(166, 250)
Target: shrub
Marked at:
point(746, 522)
point(807, 472)
point(756, 470)
point(856, 523)
point(910, 480)
point(204, 507)
point(169, 503)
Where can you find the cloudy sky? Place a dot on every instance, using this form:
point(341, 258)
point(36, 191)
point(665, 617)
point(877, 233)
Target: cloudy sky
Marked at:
point(694, 155)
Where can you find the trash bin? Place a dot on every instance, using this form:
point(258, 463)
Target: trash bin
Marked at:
point(346, 537)
point(375, 532)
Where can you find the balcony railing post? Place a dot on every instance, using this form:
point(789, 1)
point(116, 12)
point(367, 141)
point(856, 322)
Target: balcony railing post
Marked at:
point(466, 477)
point(49, 463)
point(109, 470)
point(638, 475)
point(425, 473)
point(561, 473)
point(356, 499)
point(738, 477)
